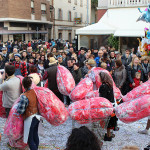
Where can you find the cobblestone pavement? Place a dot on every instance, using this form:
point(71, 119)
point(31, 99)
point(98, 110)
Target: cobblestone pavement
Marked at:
point(56, 137)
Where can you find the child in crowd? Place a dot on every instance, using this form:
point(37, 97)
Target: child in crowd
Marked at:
point(136, 80)
point(103, 65)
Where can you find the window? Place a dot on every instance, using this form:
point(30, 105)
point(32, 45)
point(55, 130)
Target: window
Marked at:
point(69, 16)
point(59, 14)
point(75, 2)
point(81, 3)
point(32, 7)
point(60, 35)
point(43, 8)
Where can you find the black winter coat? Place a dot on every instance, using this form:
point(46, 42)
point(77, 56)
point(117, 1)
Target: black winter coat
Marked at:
point(107, 92)
point(131, 73)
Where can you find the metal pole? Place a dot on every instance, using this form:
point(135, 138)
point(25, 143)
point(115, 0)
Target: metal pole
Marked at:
point(87, 12)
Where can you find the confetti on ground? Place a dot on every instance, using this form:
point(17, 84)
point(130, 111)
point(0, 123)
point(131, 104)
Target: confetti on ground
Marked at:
point(55, 138)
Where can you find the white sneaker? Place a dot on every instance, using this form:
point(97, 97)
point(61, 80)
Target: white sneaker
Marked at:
point(143, 131)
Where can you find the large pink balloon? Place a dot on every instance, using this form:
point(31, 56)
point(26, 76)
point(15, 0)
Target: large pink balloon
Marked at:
point(94, 75)
point(91, 110)
point(50, 107)
point(65, 80)
point(2, 109)
point(92, 94)
point(14, 127)
point(134, 110)
point(141, 90)
point(80, 91)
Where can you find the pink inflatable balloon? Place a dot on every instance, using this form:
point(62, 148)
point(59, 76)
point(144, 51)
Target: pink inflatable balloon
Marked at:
point(14, 124)
point(90, 110)
point(141, 90)
point(65, 80)
point(134, 110)
point(80, 91)
point(18, 144)
point(2, 109)
point(94, 75)
point(46, 84)
point(50, 107)
point(92, 94)
point(14, 127)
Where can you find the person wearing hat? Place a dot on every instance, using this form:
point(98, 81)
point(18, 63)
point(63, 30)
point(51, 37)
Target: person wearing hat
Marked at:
point(20, 67)
point(60, 60)
point(91, 63)
point(50, 74)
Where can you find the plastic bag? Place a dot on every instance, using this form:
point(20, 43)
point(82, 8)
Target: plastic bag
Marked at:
point(14, 124)
point(141, 90)
point(2, 109)
point(134, 110)
point(91, 110)
point(92, 94)
point(14, 128)
point(18, 144)
point(50, 107)
point(65, 80)
point(94, 75)
point(80, 91)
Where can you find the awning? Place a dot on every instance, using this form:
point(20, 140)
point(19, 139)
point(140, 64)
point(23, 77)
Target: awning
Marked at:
point(122, 20)
point(21, 32)
point(99, 28)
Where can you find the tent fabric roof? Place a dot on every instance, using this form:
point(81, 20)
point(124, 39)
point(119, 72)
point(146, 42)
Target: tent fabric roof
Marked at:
point(96, 29)
point(117, 21)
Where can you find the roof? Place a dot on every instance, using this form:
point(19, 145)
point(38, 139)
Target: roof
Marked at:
point(24, 20)
point(122, 21)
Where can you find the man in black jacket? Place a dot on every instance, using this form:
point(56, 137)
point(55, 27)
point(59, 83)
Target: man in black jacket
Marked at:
point(50, 74)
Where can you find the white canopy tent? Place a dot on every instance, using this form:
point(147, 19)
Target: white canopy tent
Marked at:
point(121, 22)
point(99, 28)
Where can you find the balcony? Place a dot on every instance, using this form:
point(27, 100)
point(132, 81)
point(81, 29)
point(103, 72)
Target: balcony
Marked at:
point(127, 3)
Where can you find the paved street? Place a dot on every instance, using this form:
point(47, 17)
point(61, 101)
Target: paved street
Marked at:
point(56, 137)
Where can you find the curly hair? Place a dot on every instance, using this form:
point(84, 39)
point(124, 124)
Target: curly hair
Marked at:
point(105, 78)
point(82, 139)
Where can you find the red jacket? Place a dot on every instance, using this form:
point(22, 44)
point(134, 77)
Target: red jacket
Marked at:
point(137, 83)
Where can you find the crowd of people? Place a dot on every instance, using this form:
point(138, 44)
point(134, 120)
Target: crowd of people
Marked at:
point(39, 60)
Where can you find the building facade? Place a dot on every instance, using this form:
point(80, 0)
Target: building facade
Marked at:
point(24, 20)
point(70, 15)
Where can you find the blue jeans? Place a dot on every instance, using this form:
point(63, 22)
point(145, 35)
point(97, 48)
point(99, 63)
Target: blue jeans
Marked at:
point(33, 139)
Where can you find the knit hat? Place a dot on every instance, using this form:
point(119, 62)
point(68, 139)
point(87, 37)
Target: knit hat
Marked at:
point(91, 62)
point(18, 55)
point(59, 56)
point(52, 61)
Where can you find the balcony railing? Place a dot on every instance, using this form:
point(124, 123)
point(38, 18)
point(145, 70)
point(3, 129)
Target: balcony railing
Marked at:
point(127, 3)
